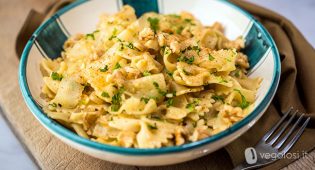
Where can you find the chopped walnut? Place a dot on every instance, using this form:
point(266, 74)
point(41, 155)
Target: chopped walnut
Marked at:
point(175, 47)
point(146, 34)
point(118, 76)
point(179, 140)
point(237, 44)
point(242, 60)
point(152, 44)
point(218, 26)
point(231, 114)
point(132, 73)
point(72, 40)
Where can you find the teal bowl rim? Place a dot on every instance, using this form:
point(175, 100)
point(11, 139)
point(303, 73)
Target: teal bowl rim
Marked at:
point(69, 135)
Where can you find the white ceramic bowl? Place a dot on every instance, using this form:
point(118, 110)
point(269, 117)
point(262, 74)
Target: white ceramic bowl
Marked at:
point(81, 17)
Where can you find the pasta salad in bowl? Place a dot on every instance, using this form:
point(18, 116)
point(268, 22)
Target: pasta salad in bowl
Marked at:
point(158, 82)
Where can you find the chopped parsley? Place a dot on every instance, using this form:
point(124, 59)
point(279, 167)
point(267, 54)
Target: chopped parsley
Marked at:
point(56, 76)
point(121, 47)
point(211, 58)
point(170, 95)
point(52, 104)
point(145, 100)
point(152, 127)
point(91, 35)
point(161, 92)
point(223, 81)
point(244, 103)
point(146, 73)
point(218, 98)
point(169, 73)
point(237, 73)
point(105, 94)
point(116, 100)
point(117, 66)
point(130, 45)
point(186, 73)
point(155, 117)
point(154, 23)
point(191, 106)
point(169, 102)
point(104, 69)
point(167, 51)
point(186, 59)
point(113, 35)
point(189, 21)
point(196, 48)
point(179, 30)
point(174, 15)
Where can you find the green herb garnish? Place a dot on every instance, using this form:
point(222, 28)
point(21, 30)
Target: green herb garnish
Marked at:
point(154, 23)
point(223, 81)
point(104, 69)
point(113, 35)
point(161, 92)
point(146, 73)
point(167, 51)
point(117, 66)
point(189, 21)
point(121, 47)
point(56, 76)
point(169, 102)
point(116, 100)
point(52, 104)
point(244, 104)
point(196, 48)
point(174, 15)
point(155, 117)
point(218, 98)
point(91, 35)
point(186, 59)
point(169, 73)
point(237, 73)
point(152, 127)
point(211, 58)
point(191, 106)
point(130, 45)
point(179, 29)
point(156, 85)
point(186, 73)
point(145, 100)
point(105, 94)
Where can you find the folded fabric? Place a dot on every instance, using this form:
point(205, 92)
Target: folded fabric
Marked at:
point(295, 88)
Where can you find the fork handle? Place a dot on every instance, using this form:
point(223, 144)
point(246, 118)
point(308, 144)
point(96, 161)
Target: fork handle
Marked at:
point(246, 166)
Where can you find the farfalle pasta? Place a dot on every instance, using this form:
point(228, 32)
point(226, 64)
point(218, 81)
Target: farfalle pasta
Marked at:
point(156, 81)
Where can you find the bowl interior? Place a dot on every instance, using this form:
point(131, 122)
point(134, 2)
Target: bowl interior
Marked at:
point(82, 16)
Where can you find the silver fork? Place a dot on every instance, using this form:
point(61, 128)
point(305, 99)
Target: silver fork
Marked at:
point(273, 145)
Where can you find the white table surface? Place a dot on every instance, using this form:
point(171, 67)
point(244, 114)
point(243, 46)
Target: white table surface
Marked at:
point(301, 13)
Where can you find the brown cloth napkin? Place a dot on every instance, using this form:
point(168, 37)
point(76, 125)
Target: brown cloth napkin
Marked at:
point(296, 86)
point(295, 89)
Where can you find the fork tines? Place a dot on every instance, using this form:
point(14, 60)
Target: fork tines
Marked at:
point(272, 136)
